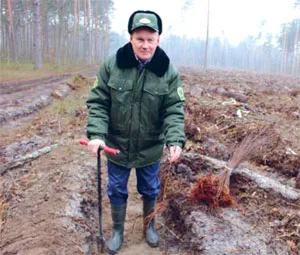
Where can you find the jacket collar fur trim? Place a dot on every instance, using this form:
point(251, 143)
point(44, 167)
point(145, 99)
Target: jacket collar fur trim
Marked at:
point(159, 63)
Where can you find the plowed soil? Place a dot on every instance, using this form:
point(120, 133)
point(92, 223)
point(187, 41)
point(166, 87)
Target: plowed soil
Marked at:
point(48, 182)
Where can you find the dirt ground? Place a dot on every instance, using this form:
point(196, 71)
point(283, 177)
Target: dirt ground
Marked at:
point(48, 198)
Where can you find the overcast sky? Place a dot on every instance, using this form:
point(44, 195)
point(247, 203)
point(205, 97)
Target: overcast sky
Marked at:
point(234, 19)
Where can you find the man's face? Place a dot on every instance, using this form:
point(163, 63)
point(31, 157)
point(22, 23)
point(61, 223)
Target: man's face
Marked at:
point(144, 43)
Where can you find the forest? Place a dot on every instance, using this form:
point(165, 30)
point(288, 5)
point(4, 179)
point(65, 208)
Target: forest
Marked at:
point(79, 31)
point(235, 189)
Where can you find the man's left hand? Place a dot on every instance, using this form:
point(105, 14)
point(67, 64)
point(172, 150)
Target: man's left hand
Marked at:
point(175, 152)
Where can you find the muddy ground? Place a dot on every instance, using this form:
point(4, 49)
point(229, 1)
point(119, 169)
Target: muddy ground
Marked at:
point(48, 198)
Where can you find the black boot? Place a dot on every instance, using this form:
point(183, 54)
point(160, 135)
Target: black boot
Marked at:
point(152, 237)
point(118, 214)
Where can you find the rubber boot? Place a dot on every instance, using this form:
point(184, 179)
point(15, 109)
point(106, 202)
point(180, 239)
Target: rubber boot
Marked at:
point(118, 214)
point(151, 235)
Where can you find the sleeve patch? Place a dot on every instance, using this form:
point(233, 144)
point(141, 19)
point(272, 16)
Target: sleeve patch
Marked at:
point(180, 93)
point(95, 83)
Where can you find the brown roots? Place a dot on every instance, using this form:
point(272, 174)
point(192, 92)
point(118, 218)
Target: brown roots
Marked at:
point(205, 190)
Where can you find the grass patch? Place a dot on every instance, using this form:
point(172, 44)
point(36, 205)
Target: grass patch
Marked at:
point(70, 112)
point(66, 107)
point(74, 103)
point(26, 70)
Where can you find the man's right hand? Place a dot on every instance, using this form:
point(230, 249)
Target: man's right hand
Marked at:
point(93, 145)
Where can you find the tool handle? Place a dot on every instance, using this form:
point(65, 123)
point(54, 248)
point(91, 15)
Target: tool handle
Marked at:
point(106, 149)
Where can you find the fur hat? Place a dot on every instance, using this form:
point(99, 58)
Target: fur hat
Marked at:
point(148, 19)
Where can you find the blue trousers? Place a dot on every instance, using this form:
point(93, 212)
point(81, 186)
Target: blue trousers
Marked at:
point(148, 184)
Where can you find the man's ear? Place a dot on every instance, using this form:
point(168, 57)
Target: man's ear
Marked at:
point(131, 38)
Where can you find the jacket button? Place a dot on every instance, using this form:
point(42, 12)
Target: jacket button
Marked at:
point(120, 88)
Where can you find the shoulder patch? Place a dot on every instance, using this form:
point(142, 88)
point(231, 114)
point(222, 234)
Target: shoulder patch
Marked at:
point(95, 83)
point(180, 93)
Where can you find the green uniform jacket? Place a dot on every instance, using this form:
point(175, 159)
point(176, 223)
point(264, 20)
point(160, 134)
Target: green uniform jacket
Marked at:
point(137, 110)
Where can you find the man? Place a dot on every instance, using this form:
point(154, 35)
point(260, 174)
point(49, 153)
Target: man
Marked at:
point(136, 106)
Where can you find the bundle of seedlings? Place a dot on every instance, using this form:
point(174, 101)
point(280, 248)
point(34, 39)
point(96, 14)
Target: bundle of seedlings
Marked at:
point(213, 190)
point(170, 187)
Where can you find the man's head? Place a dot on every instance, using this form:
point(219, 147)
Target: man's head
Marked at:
point(144, 28)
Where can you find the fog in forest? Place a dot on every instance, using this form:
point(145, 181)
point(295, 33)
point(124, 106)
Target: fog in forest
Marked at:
point(82, 32)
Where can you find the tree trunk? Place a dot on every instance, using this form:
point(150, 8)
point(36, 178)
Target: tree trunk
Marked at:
point(296, 51)
point(1, 32)
point(96, 33)
point(38, 59)
point(12, 41)
point(85, 32)
point(107, 28)
point(75, 41)
point(251, 174)
point(207, 38)
point(47, 38)
point(89, 32)
point(27, 31)
point(59, 25)
point(284, 51)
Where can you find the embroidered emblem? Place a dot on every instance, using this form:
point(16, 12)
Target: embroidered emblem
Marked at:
point(95, 83)
point(180, 93)
point(145, 21)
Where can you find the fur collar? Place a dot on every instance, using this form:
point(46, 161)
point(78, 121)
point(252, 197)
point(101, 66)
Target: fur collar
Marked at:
point(159, 63)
